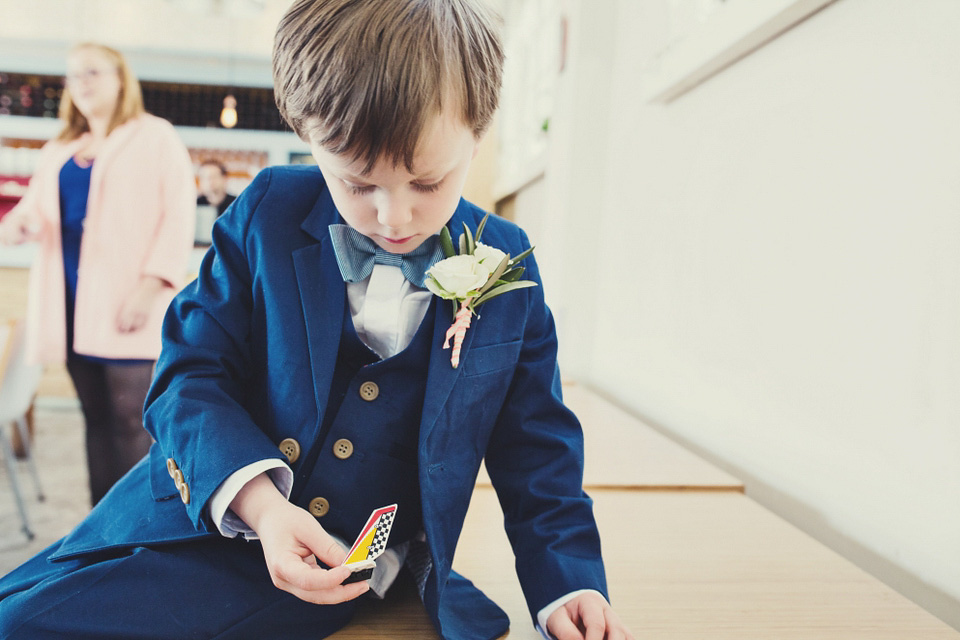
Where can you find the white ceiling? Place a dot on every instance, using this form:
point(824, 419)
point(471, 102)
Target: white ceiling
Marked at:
point(217, 41)
point(225, 42)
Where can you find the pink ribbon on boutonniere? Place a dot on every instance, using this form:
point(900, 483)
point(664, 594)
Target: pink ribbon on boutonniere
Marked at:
point(458, 331)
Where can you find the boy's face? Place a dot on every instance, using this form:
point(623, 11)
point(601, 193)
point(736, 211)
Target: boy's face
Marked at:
point(395, 208)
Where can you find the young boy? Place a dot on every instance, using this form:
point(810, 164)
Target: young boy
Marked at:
point(288, 403)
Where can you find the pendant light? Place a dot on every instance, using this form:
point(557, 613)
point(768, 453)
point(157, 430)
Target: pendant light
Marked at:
point(228, 116)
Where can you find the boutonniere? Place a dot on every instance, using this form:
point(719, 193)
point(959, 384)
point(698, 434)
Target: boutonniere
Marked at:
point(476, 274)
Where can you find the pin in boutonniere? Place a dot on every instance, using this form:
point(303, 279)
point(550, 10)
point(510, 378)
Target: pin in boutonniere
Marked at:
point(468, 279)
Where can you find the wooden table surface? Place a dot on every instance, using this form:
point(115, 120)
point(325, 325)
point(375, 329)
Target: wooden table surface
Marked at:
point(684, 566)
point(708, 565)
point(623, 452)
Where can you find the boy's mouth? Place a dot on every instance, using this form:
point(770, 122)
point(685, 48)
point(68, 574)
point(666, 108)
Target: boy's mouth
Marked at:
point(397, 241)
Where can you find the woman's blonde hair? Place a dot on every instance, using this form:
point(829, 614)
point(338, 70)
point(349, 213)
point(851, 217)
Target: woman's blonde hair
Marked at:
point(129, 101)
point(364, 76)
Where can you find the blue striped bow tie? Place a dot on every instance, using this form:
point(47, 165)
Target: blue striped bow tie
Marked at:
point(356, 255)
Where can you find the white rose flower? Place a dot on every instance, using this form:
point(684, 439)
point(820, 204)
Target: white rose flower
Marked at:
point(489, 257)
point(455, 277)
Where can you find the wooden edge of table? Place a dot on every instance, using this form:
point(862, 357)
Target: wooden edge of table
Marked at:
point(8, 331)
point(680, 488)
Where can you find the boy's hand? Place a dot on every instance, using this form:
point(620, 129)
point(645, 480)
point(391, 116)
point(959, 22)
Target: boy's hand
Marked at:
point(587, 617)
point(293, 544)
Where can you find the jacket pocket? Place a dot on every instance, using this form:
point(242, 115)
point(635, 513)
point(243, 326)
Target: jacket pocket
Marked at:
point(491, 358)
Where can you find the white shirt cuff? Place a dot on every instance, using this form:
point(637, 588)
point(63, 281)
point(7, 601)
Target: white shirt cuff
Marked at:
point(388, 566)
point(228, 523)
point(548, 610)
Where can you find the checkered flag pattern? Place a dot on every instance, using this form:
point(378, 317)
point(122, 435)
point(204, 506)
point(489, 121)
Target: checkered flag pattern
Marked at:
point(373, 537)
point(379, 542)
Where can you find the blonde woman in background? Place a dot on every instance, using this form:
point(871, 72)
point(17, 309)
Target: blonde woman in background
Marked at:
point(111, 204)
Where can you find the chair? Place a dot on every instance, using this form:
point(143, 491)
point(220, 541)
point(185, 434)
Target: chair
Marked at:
point(18, 386)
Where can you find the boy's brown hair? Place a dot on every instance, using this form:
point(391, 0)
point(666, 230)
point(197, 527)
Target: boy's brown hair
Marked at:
point(129, 102)
point(364, 76)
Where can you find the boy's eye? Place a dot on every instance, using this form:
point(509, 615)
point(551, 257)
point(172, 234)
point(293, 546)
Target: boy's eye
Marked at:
point(362, 189)
point(359, 190)
point(427, 188)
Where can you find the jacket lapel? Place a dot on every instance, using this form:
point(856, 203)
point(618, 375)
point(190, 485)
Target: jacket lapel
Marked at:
point(112, 147)
point(442, 376)
point(322, 296)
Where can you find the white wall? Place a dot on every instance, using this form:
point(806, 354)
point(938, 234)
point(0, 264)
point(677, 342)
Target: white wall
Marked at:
point(774, 266)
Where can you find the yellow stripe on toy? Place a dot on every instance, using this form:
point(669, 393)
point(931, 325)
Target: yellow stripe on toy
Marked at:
point(363, 549)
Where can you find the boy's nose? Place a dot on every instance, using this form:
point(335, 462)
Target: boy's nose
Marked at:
point(393, 212)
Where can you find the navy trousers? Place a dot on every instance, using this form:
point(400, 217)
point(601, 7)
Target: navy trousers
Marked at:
point(216, 588)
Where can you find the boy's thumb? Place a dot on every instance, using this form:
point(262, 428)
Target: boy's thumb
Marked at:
point(326, 548)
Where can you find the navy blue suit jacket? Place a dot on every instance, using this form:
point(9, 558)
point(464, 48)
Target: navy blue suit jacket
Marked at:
point(248, 356)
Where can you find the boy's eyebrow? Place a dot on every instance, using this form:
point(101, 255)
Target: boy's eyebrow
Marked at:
point(346, 175)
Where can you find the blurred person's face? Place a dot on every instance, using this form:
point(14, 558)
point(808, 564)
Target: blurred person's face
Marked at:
point(211, 182)
point(94, 83)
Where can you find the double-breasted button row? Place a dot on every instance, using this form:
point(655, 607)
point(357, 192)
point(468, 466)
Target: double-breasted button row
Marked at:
point(342, 449)
point(178, 480)
point(289, 447)
point(320, 506)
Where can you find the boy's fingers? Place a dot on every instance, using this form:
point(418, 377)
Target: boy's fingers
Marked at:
point(335, 595)
point(591, 616)
point(331, 591)
point(324, 547)
point(315, 584)
point(332, 595)
point(295, 572)
point(562, 627)
point(339, 594)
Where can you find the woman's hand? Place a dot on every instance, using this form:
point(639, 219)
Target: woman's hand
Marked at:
point(16, 229)
point(587, 617)
point(294, 545)
point(136, 308)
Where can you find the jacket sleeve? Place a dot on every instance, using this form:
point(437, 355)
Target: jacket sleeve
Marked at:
point(195, 407)
point(27, 211)
point(535, 461)
point(169, 252)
